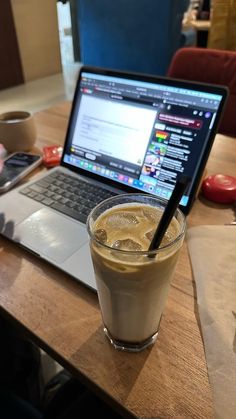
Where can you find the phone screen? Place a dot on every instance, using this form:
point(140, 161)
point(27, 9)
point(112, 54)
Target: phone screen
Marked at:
point(15, 165)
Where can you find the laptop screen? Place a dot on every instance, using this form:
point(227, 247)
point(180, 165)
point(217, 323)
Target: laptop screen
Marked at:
point(142, 132)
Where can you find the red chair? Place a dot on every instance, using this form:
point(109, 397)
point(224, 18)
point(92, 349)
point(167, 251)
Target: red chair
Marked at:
point(209, 66)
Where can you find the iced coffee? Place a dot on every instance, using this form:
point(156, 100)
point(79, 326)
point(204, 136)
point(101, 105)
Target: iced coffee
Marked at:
point(132, 282)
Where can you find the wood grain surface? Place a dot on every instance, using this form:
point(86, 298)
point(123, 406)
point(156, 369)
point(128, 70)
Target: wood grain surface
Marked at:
point(168, 380)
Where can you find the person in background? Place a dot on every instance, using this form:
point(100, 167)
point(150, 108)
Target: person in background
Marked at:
point(204, 10)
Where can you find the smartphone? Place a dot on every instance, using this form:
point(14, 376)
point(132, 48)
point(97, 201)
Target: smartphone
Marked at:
point(16, 167)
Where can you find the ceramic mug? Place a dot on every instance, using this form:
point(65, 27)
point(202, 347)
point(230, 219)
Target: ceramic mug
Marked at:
point(17, 130)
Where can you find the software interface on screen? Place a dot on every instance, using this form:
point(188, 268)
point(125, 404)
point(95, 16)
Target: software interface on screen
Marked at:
point(140, 134)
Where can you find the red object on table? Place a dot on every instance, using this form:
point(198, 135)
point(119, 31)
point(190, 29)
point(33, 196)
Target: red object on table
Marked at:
point(220, 188)
point(52, 155)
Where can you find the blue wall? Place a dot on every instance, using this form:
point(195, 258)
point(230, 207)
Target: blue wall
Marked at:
point(133, 35)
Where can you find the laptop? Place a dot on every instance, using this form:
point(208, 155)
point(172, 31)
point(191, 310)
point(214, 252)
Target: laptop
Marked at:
point(126, 133)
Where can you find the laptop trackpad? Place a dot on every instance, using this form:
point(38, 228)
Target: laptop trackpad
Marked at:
point(51, 234)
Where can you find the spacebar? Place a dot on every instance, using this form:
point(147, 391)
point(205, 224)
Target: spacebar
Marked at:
point(70, 212)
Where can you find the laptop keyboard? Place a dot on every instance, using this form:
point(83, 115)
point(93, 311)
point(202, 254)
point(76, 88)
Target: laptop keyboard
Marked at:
point(66, 194)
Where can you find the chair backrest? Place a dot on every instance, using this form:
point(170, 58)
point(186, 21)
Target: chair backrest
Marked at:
point(131, 35)
point(209, 66)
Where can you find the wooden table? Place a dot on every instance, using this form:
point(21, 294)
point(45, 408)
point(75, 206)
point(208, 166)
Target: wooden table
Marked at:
point(168, 380)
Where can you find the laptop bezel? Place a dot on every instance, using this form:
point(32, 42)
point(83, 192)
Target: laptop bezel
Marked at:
point(209, 88)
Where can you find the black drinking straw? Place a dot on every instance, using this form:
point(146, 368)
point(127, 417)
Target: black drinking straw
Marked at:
point(169, 212)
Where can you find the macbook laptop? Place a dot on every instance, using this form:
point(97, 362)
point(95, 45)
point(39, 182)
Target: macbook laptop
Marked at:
point(126, 133)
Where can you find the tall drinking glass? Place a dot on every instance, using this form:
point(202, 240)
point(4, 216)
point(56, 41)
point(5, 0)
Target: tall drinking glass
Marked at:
point(132, 282)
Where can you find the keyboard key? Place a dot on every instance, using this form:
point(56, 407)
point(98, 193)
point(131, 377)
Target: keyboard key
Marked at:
point(39, 197)
point(25, 191)
point(37, 188)
point(47, 201)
